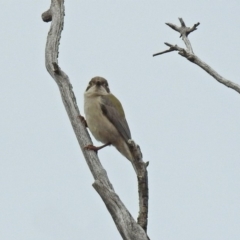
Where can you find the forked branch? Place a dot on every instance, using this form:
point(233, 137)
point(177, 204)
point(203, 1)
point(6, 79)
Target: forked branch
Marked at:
point(189, 54)
point(127, 226)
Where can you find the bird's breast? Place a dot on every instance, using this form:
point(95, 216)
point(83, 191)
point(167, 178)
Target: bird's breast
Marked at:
point(101, 128)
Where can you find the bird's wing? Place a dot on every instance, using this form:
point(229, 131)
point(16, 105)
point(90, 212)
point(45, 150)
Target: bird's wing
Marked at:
point(112, 109)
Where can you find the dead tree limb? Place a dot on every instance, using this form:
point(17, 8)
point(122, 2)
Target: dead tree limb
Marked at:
point(189, 54)
point(142, 176)
point(126, 225)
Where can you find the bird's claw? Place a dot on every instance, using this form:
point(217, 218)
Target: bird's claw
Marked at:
point(94, 148)
point(91, 147)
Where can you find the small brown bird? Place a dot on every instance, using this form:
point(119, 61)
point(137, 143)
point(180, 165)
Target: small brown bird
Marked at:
point(105, 117)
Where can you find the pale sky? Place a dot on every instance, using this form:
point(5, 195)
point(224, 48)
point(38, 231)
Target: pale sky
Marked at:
point(187, 124)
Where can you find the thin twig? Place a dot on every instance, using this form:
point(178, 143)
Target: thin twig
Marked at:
point(166, 51)
point(171, 48)
point(174, 27)
point(193, 28)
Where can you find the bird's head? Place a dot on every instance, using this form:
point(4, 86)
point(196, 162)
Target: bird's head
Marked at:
point(98, 85)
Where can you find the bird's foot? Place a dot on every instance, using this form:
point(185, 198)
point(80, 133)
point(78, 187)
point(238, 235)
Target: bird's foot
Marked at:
point(94, 148)
point(83, 120)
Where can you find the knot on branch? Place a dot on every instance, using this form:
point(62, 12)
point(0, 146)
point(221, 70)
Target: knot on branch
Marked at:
point(47, 16)
point(56, 68)
point(191, 57)
point(184, 53)
point(135, 149)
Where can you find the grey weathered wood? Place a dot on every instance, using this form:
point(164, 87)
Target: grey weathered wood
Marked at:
point(142, 175)
point(189, 54)
point(127, 226)
point(119, 213)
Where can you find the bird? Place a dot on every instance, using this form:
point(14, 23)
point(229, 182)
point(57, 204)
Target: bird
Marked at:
point(105, 117)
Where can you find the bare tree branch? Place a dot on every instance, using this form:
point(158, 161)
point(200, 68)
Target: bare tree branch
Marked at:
point(127, 226)
point(142, 176)
point(189, 54)
point(184, 32)
point(119, 213)
point(171, 48)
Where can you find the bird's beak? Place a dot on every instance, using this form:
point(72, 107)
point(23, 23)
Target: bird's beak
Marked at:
point(98, 83)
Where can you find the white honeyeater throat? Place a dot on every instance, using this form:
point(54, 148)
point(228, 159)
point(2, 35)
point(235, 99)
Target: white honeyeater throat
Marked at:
point(105, 117)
